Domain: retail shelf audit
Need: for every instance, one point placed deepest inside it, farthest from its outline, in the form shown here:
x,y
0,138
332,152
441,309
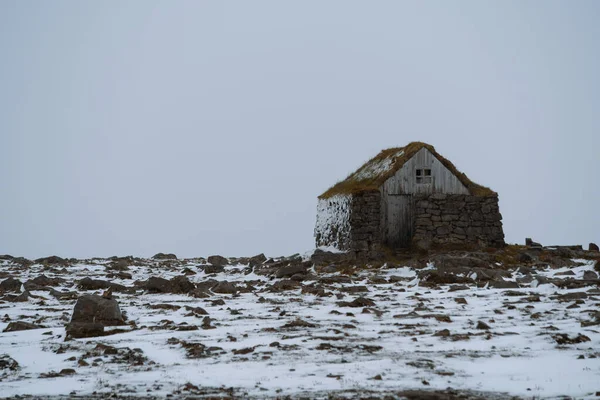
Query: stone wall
x,y
365,222
333,222
450,219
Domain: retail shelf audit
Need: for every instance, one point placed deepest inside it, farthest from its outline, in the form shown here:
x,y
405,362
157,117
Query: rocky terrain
x,y
521,322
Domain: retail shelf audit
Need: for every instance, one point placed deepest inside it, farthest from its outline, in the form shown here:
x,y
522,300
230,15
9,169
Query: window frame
x,y
423,176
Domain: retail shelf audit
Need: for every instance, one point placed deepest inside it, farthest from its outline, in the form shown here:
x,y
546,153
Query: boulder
x,y
320,257
502,284
22,261
590,275
52,260
60,295
593,247
526,257
290,270
530,243
6,362
213,269
285,284
358,302
91,308
257,260
20,326
21,298
225,288
163,256
155,284
218,261
96,284
10,285
482,325
181,284
442,278
43,280
118,265
446,261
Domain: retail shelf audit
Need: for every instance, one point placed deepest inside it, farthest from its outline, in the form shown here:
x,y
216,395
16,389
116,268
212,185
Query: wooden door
x,y
400,224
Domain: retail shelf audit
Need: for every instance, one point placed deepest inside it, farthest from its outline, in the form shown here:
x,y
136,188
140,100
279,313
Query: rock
x,y
10,285
531,243
225,288
97,309
482,325
96,284
178,284
163,256
299,323
593,247
218,261
460,300
563,338
358,302
320,257
181,284
502,284
156,284
442,333
52,260
213,269
290,270
257,260
43,280
188,272
207,323
565,273
119,265
120,275
199,293
590,275
6,362
163,306
572,296
285,284
354,289
444,261
63,295
85,329
20,326
196,311
456,288
23,297
442,278
526,257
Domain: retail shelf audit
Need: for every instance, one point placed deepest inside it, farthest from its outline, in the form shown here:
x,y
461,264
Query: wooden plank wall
x,y
444,181
396,208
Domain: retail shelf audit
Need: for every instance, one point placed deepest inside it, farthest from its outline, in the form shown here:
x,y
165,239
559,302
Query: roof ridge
x,y
372,174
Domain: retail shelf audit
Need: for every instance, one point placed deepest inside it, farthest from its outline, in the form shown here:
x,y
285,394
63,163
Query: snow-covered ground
x,y
409,337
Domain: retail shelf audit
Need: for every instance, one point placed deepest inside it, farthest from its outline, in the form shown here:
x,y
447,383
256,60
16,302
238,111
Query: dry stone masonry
x,y
443,219
365,221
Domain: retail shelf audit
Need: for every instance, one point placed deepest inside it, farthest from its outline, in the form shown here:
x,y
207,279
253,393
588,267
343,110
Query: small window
x,y
423,175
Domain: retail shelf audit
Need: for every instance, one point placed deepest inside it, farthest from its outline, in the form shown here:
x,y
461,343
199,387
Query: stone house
x,y
408,197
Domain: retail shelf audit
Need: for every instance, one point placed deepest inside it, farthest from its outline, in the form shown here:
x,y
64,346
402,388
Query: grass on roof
x,y
354,184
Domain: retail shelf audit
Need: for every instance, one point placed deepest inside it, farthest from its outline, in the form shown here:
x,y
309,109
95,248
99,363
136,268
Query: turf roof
x,y
385,164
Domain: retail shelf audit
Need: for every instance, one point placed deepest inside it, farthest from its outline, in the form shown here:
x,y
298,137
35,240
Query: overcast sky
x,y
200,127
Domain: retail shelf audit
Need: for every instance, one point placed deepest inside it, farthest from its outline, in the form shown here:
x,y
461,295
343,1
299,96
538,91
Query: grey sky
x,y
211,127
